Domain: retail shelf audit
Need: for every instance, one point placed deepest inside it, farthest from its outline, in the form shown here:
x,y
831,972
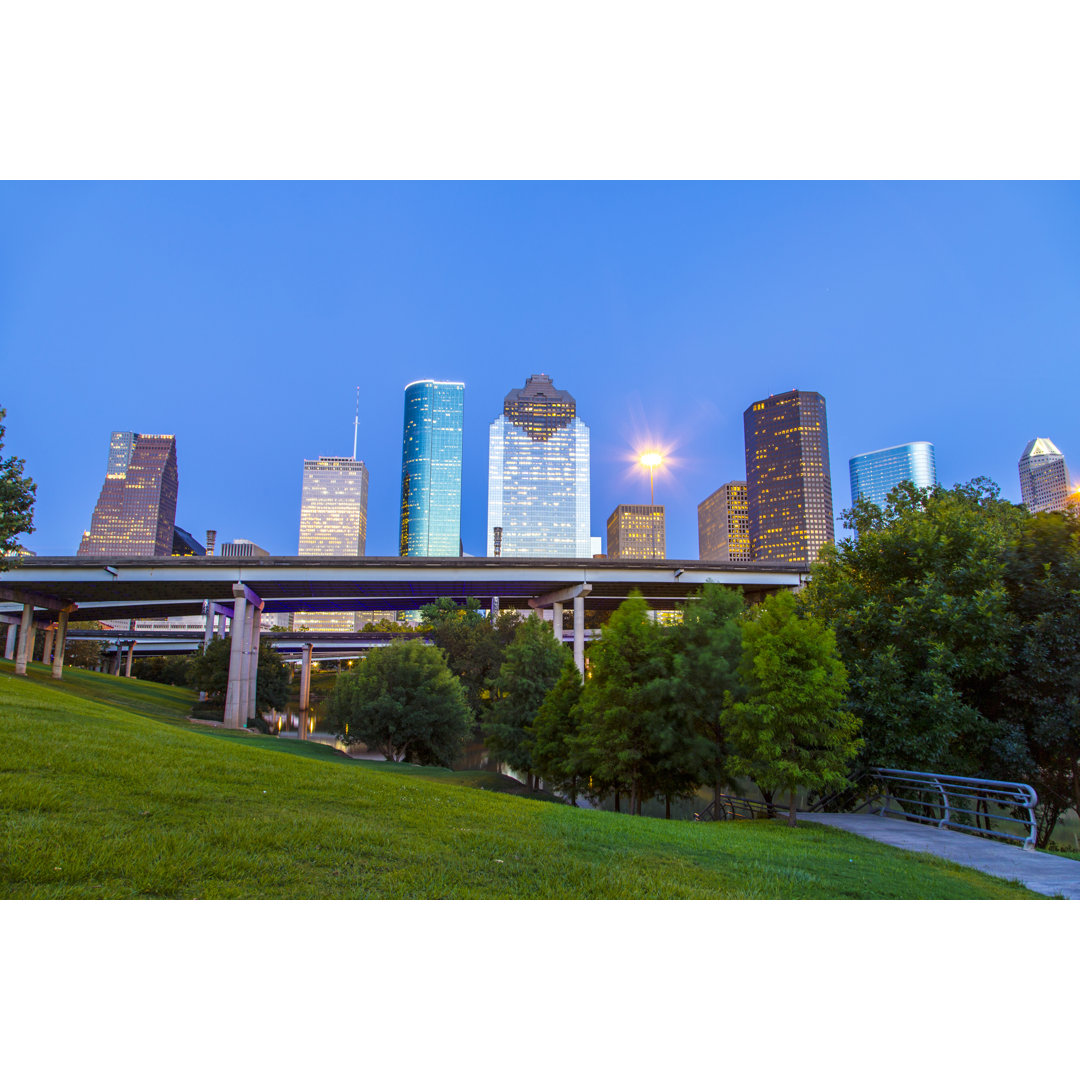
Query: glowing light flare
x,y
651,459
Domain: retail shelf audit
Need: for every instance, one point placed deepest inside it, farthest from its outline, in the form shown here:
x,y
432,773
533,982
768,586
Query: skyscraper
x,y
1044,480
538,475
724,524
636,532
431,468
788,482
875,474
333,521
136,510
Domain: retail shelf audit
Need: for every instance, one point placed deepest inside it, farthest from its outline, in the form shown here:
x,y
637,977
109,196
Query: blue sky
x,y
241,317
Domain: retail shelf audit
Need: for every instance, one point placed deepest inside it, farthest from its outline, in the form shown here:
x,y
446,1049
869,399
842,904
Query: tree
x,y
622,730
555,754
531,668
922,618
404,702
16,502
704,681
208,670
473,645
791,730
1041,691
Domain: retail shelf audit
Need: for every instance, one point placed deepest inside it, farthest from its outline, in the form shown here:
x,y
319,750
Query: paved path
x,y
1050,875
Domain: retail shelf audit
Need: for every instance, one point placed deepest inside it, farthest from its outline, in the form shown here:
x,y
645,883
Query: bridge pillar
x,y
253,666
557,622
26,639
59,645
9,645
115,668
579,633
236,663
46,652
305,689
130,654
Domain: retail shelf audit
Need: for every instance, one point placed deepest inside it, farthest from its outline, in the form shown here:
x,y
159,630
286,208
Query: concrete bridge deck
x,y
1050,875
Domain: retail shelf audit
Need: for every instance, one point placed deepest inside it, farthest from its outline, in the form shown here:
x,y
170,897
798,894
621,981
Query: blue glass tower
x,y
875,474
431,468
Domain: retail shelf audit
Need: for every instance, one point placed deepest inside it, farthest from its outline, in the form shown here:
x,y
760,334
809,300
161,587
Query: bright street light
x,y
652,460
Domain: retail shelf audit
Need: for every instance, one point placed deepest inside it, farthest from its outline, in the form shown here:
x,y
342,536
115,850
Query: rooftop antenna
x,y
356,423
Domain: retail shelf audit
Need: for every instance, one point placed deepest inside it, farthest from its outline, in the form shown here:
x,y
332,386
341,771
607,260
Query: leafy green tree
x,y
704,681
473,645
403,702
16,502
623,730
924,625
533,661
208,670
1041,691
791,731
556,756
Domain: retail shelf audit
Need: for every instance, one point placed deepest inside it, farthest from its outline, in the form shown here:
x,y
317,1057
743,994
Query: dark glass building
x,y
724,525
788,482
136,510
431,469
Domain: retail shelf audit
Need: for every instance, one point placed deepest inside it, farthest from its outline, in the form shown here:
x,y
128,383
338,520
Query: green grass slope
x,y
105,792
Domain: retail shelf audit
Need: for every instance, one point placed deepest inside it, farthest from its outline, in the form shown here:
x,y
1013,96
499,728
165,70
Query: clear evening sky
x,y
241,316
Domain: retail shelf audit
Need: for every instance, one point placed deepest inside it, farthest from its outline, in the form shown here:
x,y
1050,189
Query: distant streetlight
x,y
652,460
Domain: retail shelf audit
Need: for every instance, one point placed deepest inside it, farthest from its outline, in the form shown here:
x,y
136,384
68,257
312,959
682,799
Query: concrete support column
x,y
26,639
59,645
130,654
556,621
253,668
233,718
115,668
46,652
305,689
9,646
208,627
579,633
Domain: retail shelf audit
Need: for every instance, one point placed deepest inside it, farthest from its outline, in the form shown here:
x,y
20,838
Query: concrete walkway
x,y
1050,875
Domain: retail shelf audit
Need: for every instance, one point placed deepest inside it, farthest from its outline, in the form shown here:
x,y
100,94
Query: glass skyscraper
x,y
538,475
875,474
136,510
431,468
788,480
1044,479
333,521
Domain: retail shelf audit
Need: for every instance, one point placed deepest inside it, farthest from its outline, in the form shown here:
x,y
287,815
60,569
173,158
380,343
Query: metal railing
x,y
993,808
736,808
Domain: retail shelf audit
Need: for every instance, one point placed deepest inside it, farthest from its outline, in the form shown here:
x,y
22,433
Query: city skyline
x,y
667,308
874,474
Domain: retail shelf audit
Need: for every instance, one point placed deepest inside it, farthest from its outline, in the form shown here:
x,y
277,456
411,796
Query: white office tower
x,y
1044,480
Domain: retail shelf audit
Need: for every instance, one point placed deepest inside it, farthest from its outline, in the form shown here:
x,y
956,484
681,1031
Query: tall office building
x,y
538,475
136,510
1044,480
875,474
636,532
431,468
724,524
788,482
333,521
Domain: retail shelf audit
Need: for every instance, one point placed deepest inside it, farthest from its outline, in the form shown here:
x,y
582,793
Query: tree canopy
x,y
17,494
533,661
791,730
403,702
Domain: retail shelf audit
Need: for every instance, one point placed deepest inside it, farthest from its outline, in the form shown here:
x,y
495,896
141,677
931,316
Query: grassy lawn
x,y
106,792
